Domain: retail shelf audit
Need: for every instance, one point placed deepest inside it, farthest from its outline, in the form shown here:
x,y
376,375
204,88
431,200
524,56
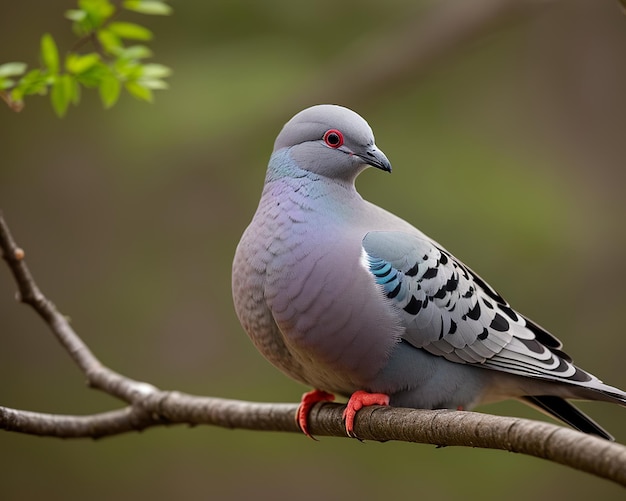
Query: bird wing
x,y
449,311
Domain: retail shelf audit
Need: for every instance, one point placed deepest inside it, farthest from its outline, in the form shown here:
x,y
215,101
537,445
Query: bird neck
x,y
282,167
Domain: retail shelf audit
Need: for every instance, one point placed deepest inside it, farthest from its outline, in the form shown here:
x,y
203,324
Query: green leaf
x,y
97,12
139,91
12,69
76,92
109,90
83,25
128,69
62,94
81,29
110,42
136,52
75,15
6,83
77,64
50,53
154,83
155,71
130,31
17,95
153,7
94,75
34,82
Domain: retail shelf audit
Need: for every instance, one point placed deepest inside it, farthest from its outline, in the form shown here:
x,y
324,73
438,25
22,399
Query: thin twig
x,y
16,106
98,376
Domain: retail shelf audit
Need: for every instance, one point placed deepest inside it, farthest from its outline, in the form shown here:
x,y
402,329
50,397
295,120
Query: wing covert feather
x,y
451,312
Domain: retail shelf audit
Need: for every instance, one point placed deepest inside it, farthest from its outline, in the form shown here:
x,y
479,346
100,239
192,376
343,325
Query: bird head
x,y
331,141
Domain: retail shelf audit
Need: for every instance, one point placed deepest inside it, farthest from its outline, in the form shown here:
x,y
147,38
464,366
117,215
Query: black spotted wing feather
x,y
451,312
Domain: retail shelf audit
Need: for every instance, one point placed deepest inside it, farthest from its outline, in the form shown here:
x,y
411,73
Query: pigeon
x,y
349,299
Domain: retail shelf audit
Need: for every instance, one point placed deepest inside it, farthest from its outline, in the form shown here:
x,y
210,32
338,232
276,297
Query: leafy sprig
x,y
116,60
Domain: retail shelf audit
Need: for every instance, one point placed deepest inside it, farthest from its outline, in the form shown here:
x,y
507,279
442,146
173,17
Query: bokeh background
x,y
506,125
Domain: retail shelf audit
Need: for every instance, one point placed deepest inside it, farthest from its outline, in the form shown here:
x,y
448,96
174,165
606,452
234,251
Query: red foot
x,y
358,400
309,399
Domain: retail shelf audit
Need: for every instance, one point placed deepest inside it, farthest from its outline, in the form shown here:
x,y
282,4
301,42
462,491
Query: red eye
x,y
333,138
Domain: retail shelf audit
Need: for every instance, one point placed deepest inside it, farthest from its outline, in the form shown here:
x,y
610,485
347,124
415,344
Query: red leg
x,y
358,400
309,399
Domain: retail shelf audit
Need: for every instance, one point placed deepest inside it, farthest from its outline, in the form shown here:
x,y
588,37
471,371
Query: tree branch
x,y
150,406
439,427
98,376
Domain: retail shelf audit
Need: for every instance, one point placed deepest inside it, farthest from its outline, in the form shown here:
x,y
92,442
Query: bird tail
x,y
561,409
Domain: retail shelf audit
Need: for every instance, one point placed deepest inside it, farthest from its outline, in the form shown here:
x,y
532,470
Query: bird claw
x,y
309,399
358,400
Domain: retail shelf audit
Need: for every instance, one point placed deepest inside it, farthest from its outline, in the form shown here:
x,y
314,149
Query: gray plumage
x,y
343,296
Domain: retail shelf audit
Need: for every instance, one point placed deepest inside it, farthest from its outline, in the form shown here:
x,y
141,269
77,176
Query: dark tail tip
x,y
566,412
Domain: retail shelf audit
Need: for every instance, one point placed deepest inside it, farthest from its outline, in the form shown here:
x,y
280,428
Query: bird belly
x,y
415,378
332,316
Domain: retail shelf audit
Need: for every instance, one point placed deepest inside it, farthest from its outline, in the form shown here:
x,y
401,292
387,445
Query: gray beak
x,y
376,158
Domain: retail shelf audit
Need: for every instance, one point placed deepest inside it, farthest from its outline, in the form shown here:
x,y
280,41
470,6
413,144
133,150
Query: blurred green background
x,y
508,148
